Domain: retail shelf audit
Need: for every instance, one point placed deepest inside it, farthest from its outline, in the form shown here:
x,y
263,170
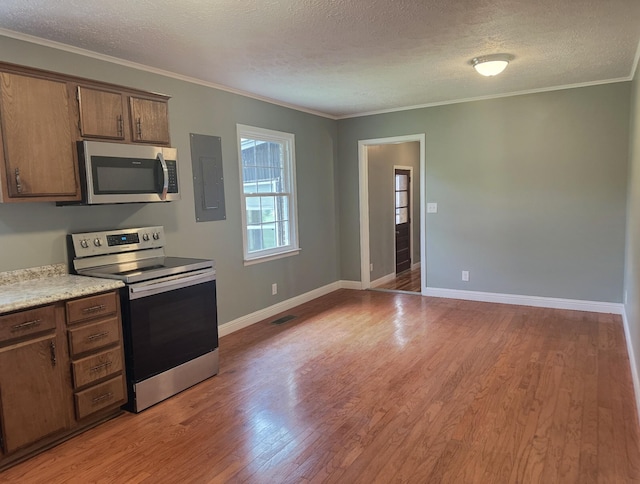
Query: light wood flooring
x,y
375,387
405,281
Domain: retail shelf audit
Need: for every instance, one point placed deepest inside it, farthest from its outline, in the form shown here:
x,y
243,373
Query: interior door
x,y
403,220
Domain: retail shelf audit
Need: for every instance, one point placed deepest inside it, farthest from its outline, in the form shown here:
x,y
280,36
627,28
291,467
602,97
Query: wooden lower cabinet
x,y
33,396
97,358
59,373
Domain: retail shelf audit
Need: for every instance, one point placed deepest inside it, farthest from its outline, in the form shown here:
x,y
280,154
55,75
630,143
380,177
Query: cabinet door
x,y
39,148
149,120
101,113
31,392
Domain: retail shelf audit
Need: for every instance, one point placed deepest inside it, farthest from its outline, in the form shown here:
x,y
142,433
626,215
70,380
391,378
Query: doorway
x,y
402,215
370,217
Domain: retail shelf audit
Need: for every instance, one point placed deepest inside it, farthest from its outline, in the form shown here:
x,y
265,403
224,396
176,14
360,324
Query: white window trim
x,y
252,132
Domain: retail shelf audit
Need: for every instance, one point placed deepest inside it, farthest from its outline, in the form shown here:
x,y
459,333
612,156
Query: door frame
x,y
363,169
411,213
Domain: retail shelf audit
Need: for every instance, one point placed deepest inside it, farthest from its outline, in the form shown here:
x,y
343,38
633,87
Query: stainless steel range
x,y
169,311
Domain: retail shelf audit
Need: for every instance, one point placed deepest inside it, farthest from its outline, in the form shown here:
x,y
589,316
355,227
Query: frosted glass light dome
x,y
491,65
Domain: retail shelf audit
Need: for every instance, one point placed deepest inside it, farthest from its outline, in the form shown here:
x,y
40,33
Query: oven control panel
x,y
115,241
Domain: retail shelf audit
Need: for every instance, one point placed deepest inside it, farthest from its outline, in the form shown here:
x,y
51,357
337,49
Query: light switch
x,y
432,207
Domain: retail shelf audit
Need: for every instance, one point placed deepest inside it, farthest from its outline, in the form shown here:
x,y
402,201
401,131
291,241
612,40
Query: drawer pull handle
x,y
18,182
93,309
100,398
97,336
99,367
26,325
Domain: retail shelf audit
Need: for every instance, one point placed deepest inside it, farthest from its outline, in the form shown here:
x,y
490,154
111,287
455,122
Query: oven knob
x,y
84,243
97,242
156,235
145,237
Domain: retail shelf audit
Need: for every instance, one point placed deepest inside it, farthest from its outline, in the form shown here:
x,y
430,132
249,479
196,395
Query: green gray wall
x,y
531,191
632,266
34,234
382,159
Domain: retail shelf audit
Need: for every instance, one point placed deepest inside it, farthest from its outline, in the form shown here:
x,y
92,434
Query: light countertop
x,y
36,286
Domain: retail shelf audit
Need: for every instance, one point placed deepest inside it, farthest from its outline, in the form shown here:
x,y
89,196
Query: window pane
x,y
282,208
401,182
249,176
267,207
283,234
401,199
265,186
402,216
254,238
248,151
269,236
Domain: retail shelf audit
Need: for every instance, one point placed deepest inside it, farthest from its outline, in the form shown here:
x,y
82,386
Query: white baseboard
x,y
544,302
357,285
632,360
383,280
249,319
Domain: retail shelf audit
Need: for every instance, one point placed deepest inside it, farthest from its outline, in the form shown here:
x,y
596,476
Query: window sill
x,y
267,258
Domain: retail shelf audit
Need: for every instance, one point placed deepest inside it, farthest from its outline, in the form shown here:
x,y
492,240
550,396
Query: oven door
x,y
168,322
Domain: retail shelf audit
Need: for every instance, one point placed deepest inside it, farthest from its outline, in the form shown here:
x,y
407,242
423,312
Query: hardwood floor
x,y
374,387
405,281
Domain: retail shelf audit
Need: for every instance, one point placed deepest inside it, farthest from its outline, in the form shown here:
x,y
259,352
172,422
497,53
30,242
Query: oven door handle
x,y
137,291
165,177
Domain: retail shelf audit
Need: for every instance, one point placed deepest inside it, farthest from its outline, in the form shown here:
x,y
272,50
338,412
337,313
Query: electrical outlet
x,y
465,276
274,289
371,267
432,207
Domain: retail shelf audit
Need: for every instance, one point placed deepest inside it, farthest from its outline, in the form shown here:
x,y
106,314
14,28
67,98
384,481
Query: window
x,y
267,175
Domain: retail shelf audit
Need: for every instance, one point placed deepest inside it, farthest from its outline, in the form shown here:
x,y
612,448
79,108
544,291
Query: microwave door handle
x,y
165,174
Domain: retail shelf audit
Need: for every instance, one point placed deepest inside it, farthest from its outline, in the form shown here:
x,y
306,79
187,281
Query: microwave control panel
x,y
172,170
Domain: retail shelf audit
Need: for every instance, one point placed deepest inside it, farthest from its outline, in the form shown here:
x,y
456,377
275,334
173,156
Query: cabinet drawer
x,y
96,367
94,336
91,307
25,323
100,396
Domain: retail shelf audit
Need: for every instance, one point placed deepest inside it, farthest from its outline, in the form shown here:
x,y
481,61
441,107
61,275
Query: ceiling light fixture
x,y
491,65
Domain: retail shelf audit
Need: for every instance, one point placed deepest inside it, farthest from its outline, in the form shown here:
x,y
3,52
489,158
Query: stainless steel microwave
x,y
126,173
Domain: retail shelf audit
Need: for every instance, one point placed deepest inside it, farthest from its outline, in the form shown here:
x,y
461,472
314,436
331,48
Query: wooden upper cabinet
x,y
41,123
149,120
101,113
37,138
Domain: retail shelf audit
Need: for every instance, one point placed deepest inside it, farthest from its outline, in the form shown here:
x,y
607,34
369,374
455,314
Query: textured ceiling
x,y
345,57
